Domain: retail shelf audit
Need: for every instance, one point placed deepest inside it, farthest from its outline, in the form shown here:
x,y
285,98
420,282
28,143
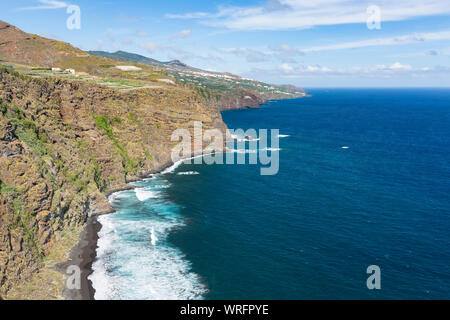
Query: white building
x,y
128,68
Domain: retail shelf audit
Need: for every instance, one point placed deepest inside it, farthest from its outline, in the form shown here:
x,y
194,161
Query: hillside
x,y
66,141
226,90
41,57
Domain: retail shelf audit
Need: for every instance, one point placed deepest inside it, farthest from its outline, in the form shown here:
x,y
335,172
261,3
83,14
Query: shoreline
x,y
84,253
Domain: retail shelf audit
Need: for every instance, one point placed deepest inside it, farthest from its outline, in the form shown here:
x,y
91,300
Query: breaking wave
x,y
134,259
188,173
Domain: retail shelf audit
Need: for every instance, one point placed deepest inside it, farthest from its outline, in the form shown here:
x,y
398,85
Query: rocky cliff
x,y
63,145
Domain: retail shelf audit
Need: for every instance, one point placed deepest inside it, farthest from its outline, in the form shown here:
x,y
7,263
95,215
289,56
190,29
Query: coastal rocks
x,y
241,99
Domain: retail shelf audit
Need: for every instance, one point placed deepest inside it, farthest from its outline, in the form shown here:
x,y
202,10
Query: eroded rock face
x,y
64,144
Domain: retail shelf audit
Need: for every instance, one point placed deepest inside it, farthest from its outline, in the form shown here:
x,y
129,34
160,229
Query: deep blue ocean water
x,y
309,232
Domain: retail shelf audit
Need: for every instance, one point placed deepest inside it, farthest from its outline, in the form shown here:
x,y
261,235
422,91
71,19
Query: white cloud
x,y
393,70
46,4
399,66
300,14
141,34
111,36
390,41
286,68
192,15
149,46
123,18
127,41
250,55
100,44
181,35
317,68
281,53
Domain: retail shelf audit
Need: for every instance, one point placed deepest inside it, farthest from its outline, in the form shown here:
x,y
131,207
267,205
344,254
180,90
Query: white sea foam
x,y
141,270
272,149
173,167
100,279
188,173
161,186
345,147
241,139
249,139
252,150
153,237
115,197
144,194
242,150
134,259
176,164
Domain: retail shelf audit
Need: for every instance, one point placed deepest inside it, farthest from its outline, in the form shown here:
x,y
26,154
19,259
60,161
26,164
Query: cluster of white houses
x,y
71,71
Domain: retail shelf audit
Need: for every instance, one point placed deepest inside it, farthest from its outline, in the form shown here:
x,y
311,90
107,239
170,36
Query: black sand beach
x,y
83,255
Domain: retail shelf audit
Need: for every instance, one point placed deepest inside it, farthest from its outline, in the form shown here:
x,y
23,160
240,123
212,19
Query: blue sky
x,y
321,43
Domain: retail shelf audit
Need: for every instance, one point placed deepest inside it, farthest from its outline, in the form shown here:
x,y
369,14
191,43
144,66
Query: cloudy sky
x,y
320,43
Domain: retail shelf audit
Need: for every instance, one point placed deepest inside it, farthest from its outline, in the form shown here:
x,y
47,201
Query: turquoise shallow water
x,y
309,232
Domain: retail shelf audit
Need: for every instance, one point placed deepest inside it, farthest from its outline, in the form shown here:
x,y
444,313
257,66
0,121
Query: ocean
x,y
364,179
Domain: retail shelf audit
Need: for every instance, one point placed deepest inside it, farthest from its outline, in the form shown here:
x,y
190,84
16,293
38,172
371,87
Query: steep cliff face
x,y
241,99
63,145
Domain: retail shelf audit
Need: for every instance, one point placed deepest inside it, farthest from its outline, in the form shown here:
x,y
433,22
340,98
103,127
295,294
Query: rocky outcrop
x,y
63,146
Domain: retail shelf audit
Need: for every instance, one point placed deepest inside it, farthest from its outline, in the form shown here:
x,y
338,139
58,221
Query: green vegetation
x,y
82,144
22,219
41,69
6,189
132,118
76,180
147,154
105,123
95,168
10,70
203,92
3,108
28,132
101,184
